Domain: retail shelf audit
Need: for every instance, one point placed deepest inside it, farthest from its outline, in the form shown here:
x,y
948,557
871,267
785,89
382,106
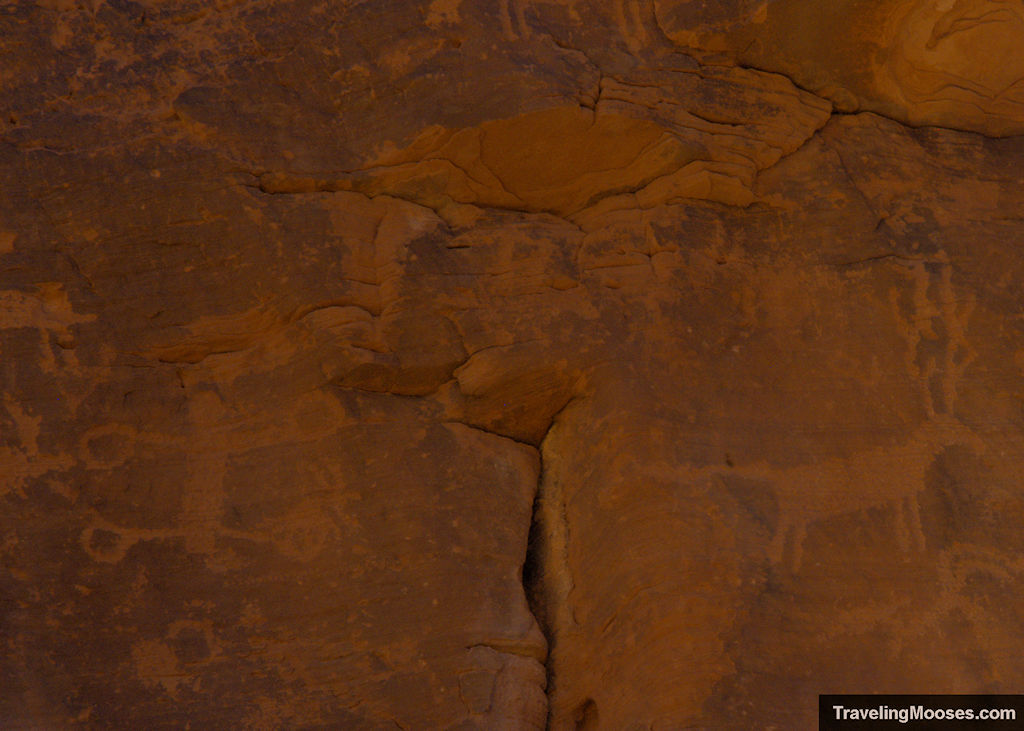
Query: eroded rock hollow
x,y
633,364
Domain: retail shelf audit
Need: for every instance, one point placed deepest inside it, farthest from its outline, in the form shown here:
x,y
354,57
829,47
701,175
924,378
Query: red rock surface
x,y
536,363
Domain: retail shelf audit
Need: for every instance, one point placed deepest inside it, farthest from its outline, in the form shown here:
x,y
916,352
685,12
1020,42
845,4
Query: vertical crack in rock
x,y
534,573
547,578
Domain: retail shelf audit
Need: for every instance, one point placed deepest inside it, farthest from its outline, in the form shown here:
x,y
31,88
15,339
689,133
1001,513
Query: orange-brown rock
x,y
947,63
516,365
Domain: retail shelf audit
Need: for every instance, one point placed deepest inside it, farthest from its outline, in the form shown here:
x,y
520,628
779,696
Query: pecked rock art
x,y
534,364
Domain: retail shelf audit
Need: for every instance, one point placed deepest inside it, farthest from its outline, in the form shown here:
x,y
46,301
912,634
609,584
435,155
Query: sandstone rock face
x,y
948,63
516,365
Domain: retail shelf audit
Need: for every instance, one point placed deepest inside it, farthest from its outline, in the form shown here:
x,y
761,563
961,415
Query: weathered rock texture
x,y
456,364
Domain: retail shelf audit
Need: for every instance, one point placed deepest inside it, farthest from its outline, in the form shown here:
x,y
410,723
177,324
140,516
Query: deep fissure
x,y
545,575
533,577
